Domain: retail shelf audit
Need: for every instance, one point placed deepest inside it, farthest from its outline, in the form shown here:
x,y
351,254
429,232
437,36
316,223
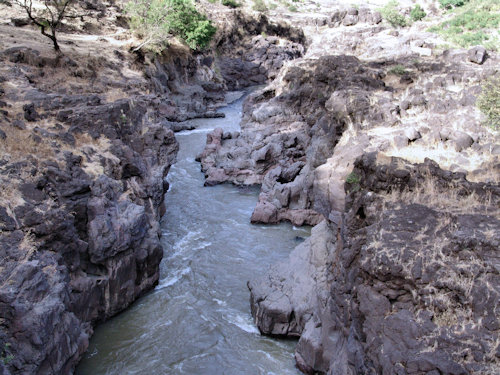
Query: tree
x,y
47,17
155,20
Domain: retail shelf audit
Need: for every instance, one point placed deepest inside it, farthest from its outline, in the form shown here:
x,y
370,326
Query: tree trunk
x,y
52,36
54,41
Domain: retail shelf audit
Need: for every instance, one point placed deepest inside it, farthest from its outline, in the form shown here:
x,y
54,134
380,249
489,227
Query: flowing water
x,y
197,320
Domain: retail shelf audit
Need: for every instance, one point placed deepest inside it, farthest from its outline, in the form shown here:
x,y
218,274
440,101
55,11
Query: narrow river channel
x,y
197,320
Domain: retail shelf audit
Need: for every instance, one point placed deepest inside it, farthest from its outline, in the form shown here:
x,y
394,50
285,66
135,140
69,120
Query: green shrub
x,y
231,3
467,39
476,22
391,14
259,6
489,102
417,13
293,8
353,178
448,4
5,355
399,70
155,20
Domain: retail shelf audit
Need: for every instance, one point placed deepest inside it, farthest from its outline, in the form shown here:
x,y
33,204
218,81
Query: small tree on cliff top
x,y
47,15
155,20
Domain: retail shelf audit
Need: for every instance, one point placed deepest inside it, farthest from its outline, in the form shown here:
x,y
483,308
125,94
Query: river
x,y
197,320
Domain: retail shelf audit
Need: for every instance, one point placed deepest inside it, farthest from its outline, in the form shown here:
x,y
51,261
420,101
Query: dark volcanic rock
x,y
260,60
30,113
78,248
286,136
80,209
477,54
405,281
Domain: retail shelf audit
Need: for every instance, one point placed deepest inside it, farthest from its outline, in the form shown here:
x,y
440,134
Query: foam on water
x,y
169,281
195,131
186,241
219,302
244,323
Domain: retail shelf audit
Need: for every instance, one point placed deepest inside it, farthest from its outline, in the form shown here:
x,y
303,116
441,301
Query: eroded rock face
x,y
284,301
78,248
290,129
408,280
82,194
301,134
258,60
254,49
86,143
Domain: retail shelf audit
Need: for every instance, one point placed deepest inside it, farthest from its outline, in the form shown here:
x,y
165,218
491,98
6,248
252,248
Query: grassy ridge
x,y
475,22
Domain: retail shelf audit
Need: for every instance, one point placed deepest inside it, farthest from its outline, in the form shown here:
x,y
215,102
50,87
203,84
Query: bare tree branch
x,y
48,17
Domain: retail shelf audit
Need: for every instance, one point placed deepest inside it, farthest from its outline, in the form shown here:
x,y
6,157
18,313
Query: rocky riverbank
x,y
371,134
404,281
375,135
86,142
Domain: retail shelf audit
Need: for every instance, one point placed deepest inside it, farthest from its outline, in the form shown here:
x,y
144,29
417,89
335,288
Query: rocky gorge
x,y
379,149
87,141
369,134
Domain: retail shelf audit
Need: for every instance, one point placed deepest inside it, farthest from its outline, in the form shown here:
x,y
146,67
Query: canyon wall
x,y
86,142
374,137
370,134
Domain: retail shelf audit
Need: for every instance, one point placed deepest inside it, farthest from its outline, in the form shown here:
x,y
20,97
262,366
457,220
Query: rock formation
x,y
82,193
86,142
404,281
374,134
369,133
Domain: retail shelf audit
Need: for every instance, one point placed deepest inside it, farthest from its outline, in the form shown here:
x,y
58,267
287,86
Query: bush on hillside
x,y
391,14
489,102
399,70
476,22
417,13
155,20
448,4
260,6
231,3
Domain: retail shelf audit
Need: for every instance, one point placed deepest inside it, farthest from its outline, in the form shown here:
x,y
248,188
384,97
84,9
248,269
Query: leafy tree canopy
x,y
155,20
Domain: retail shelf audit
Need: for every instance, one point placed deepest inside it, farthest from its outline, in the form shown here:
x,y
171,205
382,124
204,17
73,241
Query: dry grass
x,y
430,193
10,196
446,157
448,296
493,367
116,94
491,233
458,276
91,150
20,144
28,244
451,316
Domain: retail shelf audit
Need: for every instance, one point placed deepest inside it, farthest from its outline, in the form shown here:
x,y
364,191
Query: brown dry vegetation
x,y
21,145
448,198
457,270
449,299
